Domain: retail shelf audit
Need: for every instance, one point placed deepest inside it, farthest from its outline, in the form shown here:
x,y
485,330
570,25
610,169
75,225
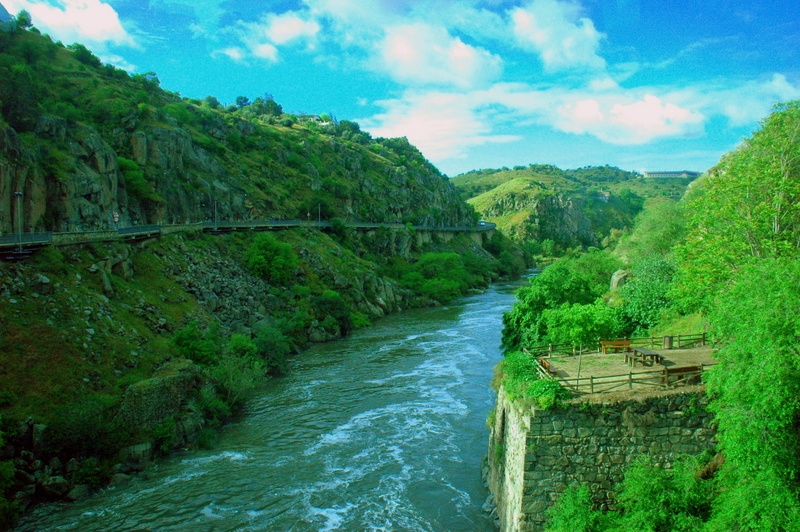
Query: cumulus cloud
x,y
91,22
262,39
555,30
442,125
424,54
281,29
636,122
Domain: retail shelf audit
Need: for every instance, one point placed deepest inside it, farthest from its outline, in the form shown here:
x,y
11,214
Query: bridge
x,y
22,245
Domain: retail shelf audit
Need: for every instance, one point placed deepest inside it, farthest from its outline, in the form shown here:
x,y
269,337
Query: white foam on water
x,y
334,517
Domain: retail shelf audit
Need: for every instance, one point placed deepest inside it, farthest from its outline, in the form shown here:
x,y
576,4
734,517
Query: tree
x,y
646,295
24,20
242,101
755,388
746,209
211,102
271,259
84,55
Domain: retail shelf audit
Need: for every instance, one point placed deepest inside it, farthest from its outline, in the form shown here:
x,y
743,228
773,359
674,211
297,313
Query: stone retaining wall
x,y
535,455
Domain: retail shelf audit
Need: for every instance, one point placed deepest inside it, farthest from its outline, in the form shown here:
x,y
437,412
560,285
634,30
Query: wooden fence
x,y
681,341
662,378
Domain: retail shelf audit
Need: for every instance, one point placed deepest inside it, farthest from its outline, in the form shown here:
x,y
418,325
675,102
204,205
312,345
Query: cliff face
x,y
540,216
71,180
82,141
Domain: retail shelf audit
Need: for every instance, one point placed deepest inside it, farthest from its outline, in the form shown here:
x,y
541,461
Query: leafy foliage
x,y
570,280
271,259
521,381
747,209
756,386
646,295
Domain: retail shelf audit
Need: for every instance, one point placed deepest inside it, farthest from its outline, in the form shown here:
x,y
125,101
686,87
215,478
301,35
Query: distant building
x,y
673,175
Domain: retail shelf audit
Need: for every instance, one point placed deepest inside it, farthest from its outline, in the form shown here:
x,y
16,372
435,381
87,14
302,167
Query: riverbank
x,y
95,325
384,428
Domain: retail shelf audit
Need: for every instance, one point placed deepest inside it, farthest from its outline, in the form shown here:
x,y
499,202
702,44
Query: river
x,y
384,430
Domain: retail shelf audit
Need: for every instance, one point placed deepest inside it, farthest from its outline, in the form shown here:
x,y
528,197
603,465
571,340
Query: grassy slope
x,y
485,190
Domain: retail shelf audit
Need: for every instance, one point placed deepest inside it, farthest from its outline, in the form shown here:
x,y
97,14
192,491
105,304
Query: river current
x,y
384,430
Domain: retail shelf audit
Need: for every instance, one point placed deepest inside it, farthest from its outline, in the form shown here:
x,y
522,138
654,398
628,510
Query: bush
x,y
573,513
202,346
271,259
238,376
521,381
273,347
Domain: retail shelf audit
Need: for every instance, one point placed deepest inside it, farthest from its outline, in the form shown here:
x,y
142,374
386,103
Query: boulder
x,y
55,487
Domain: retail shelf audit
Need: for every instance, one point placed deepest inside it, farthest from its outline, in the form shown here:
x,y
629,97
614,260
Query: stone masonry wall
x,y
535,455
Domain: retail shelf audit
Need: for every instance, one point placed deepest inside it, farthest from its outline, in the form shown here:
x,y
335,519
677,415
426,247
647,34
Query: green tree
x,y
646,295
580,324
271,259
756,386
238,376
24,20
273,347
569,280
202,346
657,229
746,209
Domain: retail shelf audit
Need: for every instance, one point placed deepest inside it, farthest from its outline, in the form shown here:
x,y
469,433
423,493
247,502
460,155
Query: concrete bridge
x,y
22,245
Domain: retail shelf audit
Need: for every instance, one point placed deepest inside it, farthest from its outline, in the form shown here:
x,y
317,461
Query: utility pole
x,y
18,195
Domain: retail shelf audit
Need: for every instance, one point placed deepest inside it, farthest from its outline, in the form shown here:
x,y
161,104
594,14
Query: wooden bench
x,y
682,375
622,344
548,367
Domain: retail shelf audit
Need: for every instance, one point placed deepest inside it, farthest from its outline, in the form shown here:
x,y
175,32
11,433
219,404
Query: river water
x,y
384,430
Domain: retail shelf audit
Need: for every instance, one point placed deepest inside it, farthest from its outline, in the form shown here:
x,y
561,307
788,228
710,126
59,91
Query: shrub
x,y
273,347
238,376
202,346
271,259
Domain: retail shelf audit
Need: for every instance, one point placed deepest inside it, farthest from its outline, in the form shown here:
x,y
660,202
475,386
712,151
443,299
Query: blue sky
x,y
639,84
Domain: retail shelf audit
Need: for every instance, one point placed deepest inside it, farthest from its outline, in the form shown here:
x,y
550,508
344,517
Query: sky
x,y
638,84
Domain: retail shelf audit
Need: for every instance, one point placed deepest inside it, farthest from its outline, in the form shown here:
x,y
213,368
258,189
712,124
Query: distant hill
x,y
578,207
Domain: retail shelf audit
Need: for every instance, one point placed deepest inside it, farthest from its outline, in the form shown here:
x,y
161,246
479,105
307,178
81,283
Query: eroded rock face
x,y
555,217
148,403
72,180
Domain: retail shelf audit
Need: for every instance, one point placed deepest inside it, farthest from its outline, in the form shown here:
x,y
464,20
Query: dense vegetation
x,y
725,257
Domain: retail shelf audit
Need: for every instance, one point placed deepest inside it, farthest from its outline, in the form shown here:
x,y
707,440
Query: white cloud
x,y
555,30
233,53
262,39
90,22
424,54
442,125
281,29
751,101
626,123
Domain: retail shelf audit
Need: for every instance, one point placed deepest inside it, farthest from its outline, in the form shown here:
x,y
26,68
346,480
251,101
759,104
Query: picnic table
x,y
643,355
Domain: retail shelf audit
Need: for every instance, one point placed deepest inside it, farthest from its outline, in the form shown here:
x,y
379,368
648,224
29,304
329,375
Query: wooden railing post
x,y
591,383
630,380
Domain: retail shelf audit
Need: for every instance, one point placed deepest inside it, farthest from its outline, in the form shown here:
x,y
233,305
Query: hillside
x,y
572,208
82,141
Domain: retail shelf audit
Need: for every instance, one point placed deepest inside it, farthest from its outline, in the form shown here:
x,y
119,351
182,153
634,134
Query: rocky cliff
x,y
84,142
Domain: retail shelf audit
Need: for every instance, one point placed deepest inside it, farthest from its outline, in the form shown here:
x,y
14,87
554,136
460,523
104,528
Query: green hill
x,y
84,140
580,207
